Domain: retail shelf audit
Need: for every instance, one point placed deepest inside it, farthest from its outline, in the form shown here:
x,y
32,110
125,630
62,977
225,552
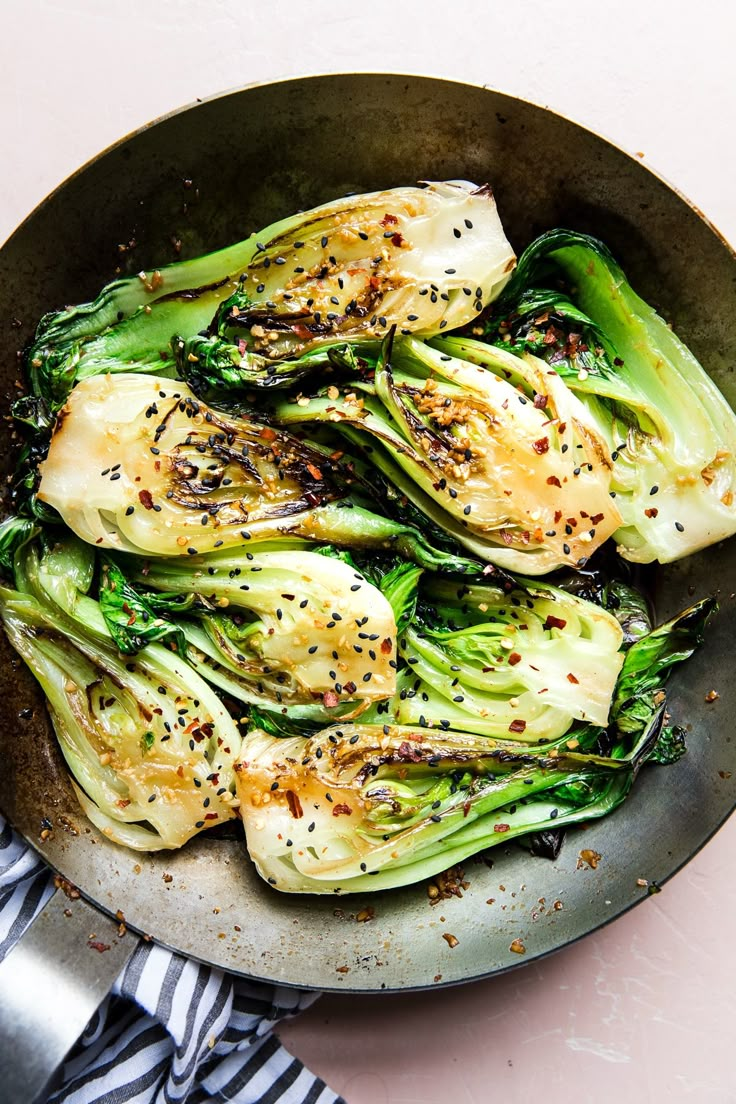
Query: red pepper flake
x,y
342,810
553,622
540,401
541,446
386,646
558,515
330,699
146,499
571,678
295,805
350,687
596,519
314,472
450,940
501,827
96,945
651,512
389,220
268,434
211,816
517,726
506,536
562,427
397,240
514,658
553,481
406,751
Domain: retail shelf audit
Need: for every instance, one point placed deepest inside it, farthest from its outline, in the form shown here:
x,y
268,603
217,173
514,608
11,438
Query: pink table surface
x,y
642,1011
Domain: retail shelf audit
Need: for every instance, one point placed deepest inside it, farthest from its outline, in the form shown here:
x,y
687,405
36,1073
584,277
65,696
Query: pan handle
x,y
51,984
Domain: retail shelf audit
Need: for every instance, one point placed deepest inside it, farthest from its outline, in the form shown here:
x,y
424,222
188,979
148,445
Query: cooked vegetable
x,y
296,626
671,433
361,807
299,497
492,447
148,743
649,661
138,464
521,663
349,268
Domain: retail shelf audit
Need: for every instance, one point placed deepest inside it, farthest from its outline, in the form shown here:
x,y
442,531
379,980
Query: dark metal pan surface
x,y
208,176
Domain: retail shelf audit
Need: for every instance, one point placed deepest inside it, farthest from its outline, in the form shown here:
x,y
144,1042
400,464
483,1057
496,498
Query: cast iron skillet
x,y
207,176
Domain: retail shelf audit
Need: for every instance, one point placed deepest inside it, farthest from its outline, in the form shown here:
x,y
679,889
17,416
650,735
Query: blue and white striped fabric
x,y
171,1031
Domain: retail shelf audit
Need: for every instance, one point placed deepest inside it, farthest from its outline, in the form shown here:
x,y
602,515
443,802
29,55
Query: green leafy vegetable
x,y
669,430
132,621
343,270
147,742
490,447
360,807
139,464
295,627
648,663
522,662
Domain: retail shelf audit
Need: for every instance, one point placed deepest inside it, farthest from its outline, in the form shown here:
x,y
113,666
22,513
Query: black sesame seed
x,y
679,527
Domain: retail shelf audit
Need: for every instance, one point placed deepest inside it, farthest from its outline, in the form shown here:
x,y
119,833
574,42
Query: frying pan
x,y
200,179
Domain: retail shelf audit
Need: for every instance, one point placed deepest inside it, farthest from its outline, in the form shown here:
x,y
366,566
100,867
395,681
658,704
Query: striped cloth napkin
x,y
171,1031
